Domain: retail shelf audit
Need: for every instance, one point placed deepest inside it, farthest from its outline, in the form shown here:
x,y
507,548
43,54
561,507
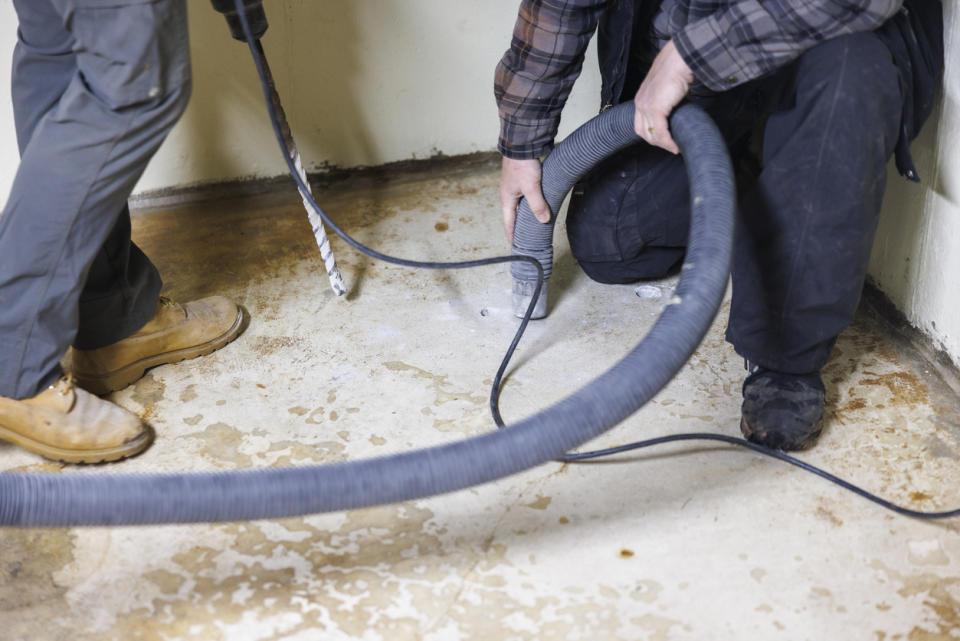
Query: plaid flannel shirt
x,y
725,43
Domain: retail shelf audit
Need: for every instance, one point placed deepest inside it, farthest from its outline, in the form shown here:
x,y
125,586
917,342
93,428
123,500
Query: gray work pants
x,y
97,85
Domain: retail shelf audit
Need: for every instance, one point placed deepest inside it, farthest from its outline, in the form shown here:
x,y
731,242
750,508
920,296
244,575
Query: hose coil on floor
x,y
94,498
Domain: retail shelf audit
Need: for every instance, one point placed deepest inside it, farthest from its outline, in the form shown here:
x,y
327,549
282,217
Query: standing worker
x,y
96,88
834,87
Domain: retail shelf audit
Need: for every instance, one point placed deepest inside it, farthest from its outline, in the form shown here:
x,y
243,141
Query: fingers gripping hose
x,y
102,499
585,148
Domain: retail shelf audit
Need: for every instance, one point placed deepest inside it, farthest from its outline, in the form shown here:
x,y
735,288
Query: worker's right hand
x,y
521,179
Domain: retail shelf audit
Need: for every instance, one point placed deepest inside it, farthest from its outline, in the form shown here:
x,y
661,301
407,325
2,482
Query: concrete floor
x,y
684,542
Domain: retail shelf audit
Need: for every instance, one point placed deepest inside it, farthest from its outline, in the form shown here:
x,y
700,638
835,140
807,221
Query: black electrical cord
x,y
256,50
766,451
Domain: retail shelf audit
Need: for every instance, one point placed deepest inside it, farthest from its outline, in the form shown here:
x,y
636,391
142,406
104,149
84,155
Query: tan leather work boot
x,y
175,333
67,424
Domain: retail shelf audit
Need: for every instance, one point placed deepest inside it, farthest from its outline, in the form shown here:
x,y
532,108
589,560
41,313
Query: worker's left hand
x,y
665,85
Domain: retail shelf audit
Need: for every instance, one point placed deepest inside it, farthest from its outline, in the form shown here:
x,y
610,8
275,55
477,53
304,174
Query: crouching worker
x,y
831,88
96,88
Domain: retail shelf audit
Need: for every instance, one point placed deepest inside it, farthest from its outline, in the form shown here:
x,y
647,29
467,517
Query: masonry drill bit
x,y
326,251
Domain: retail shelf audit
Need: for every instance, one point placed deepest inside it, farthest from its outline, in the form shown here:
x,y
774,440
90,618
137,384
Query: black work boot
x,y
782,411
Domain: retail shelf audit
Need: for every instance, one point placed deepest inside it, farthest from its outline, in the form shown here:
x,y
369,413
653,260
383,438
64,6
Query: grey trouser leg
x,y
95,90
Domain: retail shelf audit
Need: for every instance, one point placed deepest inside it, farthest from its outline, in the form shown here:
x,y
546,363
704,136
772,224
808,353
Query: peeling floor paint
x,y
686,542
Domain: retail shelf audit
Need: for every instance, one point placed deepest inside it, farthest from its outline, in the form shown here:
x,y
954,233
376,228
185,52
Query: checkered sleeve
x,y
749,38
535,76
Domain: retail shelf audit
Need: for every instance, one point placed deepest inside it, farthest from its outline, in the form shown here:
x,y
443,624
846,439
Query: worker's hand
x,y
665,85
521,179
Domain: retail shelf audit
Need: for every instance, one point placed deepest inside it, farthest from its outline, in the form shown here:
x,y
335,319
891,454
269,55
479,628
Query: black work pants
x,y
806,221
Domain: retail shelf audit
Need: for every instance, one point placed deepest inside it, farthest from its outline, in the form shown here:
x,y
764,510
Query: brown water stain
x,y
466,425
30,597
221,443
445,393
204,254
439,383
830,517
937,595
148,391
938,448
905,387
342,582
295,451
264,577
854,405
266,345
225,246
316,416
42,466
168,582
608,592
540,504
926,552
659,628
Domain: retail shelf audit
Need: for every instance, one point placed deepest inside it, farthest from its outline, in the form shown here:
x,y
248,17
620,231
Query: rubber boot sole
x,y
131,448
778,441
101,384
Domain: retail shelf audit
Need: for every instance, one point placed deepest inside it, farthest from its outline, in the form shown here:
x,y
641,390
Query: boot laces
x,y
65,384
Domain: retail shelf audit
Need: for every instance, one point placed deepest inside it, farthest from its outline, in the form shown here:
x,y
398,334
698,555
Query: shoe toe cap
x,y
783,413
217,315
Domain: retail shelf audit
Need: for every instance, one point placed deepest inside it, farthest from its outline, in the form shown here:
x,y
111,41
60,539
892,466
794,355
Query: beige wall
x,y
364,83
367,82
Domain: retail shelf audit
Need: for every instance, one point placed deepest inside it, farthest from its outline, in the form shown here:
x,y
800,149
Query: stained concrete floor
x,y
692,541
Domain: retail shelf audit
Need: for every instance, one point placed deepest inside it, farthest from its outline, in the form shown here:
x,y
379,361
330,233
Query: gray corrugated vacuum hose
x,y
570,161
96,498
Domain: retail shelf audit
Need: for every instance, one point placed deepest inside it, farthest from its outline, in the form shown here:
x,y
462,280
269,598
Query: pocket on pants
x,y
593,218
132,52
